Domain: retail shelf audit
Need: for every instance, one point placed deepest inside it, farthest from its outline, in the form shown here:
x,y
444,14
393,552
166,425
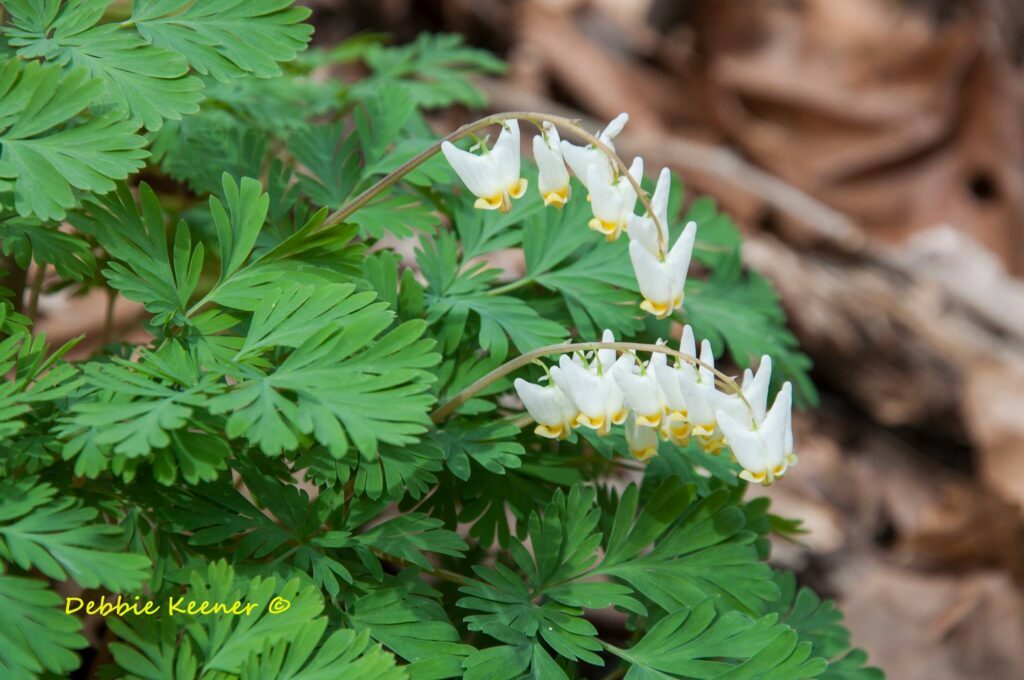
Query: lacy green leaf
x,y
226,38
47,152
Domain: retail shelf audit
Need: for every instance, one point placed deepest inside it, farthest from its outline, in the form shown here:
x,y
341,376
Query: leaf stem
x,y
509,287
443,574
566,124
442,412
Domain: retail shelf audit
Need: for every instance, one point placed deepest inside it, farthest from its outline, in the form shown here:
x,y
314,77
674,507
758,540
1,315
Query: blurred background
x,y
873,152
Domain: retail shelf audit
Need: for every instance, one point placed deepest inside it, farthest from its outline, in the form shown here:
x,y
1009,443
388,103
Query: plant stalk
x,y
566,124
442,412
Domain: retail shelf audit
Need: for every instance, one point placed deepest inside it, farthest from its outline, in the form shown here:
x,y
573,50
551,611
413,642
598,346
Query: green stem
x,y
566,124
443,574
508,287
442,412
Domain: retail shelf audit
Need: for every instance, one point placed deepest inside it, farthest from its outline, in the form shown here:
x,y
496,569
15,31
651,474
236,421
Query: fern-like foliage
x,y
269,432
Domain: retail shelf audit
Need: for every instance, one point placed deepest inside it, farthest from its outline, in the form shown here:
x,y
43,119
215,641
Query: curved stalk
x,y
446,409
567,124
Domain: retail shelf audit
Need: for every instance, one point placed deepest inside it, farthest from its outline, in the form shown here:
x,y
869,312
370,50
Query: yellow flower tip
x,y
620,417
649,421
779,470
705,430
610,230
558,197
551,431
791,459
597,423
659,310
644,455
492,203
518,189
756,477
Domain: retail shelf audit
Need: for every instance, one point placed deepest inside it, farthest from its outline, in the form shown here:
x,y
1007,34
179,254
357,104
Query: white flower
x,y
492,177
676,427
642,393
662,281
612,201
553,178
701,396
642,441
755,391
592,388
644,229
764,451
581,158
548,405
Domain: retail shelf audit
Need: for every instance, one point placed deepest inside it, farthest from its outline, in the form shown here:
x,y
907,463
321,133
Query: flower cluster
x,y
678,402
493,177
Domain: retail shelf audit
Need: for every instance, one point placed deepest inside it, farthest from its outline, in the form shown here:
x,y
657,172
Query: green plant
x,y
319,420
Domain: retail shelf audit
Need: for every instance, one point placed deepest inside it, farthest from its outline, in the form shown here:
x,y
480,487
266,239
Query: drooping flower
x,y
642,392
493,176
676,428
662,280
581,158
592,387
701,396
552,178
764,451
554,413
645,229
641,440
613,200
755,392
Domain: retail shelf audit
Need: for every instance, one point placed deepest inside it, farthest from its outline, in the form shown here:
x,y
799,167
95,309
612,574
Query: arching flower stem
x,y
442,412
566,124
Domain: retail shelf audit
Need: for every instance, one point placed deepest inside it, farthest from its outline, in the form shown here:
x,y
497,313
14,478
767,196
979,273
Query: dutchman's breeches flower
x,y
493,177
755,391
641,440
554,413
582,158
552,176
593,388
701,396
643,395
765,451
612,200
662,281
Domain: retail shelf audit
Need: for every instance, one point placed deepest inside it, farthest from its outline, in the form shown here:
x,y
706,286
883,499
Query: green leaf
x,y
408,619
741,311
260,645
141,264
695,643
226,38
28,239
700,549
565,543
343,381
343,654
434,69
38,378
62,539
46,158
489,445
820,623
151,83
35,634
